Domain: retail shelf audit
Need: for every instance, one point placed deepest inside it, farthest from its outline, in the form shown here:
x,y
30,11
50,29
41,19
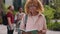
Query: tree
x,y
49,13
1,8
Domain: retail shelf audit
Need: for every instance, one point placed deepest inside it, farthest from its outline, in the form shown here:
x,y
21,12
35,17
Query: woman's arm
x,y
44,25
9,22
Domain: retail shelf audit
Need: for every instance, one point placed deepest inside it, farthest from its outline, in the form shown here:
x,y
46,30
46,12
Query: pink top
x,y
37,22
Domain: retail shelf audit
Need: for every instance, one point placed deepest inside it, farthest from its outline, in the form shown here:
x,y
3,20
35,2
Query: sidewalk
x,y
53,32
3,30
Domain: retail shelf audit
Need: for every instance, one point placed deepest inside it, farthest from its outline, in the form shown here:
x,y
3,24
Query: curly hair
x,y
36,3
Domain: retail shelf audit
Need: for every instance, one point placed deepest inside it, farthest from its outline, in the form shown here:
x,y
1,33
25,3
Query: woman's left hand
x,y
43,31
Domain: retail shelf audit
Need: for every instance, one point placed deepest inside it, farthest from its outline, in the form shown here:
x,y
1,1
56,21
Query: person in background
x,y
10,18
36,22
18,17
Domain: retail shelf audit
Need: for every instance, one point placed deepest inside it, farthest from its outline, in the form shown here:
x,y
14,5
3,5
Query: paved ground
x,y
3,30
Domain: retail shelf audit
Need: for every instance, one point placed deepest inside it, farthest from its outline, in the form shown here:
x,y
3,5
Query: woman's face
x,y
20,10
12,8
32,8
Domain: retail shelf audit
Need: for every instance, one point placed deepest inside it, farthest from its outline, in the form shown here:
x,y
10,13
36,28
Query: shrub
x,y
49,13
54,26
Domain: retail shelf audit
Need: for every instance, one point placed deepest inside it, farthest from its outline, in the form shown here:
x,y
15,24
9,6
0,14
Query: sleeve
x,y
44,24
8,14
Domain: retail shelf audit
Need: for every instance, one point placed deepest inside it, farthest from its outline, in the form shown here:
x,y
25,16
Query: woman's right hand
x,y
11,27
20,18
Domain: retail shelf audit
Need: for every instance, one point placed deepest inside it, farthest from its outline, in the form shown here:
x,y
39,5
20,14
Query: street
x,y
3,30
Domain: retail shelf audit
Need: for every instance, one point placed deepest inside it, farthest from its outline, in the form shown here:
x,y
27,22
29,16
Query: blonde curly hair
x,y
36,3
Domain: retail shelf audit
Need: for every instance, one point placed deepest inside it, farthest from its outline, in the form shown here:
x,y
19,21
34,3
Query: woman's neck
x,y
20,12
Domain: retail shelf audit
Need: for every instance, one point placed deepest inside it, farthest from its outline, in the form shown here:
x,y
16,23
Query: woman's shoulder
x,y
42,15
8,12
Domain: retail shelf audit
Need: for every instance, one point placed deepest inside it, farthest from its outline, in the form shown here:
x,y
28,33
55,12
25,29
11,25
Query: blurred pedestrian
x,y
36,22
10,18
18,17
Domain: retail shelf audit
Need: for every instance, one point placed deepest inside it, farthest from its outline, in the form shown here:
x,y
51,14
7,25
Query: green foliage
x,y
5,8
57,15
15,12
49,26
49,13
54,26
57,7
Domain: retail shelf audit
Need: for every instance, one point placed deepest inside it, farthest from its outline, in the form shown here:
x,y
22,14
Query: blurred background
x,y
52,11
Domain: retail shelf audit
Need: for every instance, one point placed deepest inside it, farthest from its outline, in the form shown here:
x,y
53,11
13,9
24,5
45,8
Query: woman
x,y
18,17
36,21
10,18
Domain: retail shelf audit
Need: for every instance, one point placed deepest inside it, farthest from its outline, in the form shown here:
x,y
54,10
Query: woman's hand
x,y
9,22
44,31
20,18
11,27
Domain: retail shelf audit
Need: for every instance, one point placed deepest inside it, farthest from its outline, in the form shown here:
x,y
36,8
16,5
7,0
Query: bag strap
x,y
26,17
25,21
